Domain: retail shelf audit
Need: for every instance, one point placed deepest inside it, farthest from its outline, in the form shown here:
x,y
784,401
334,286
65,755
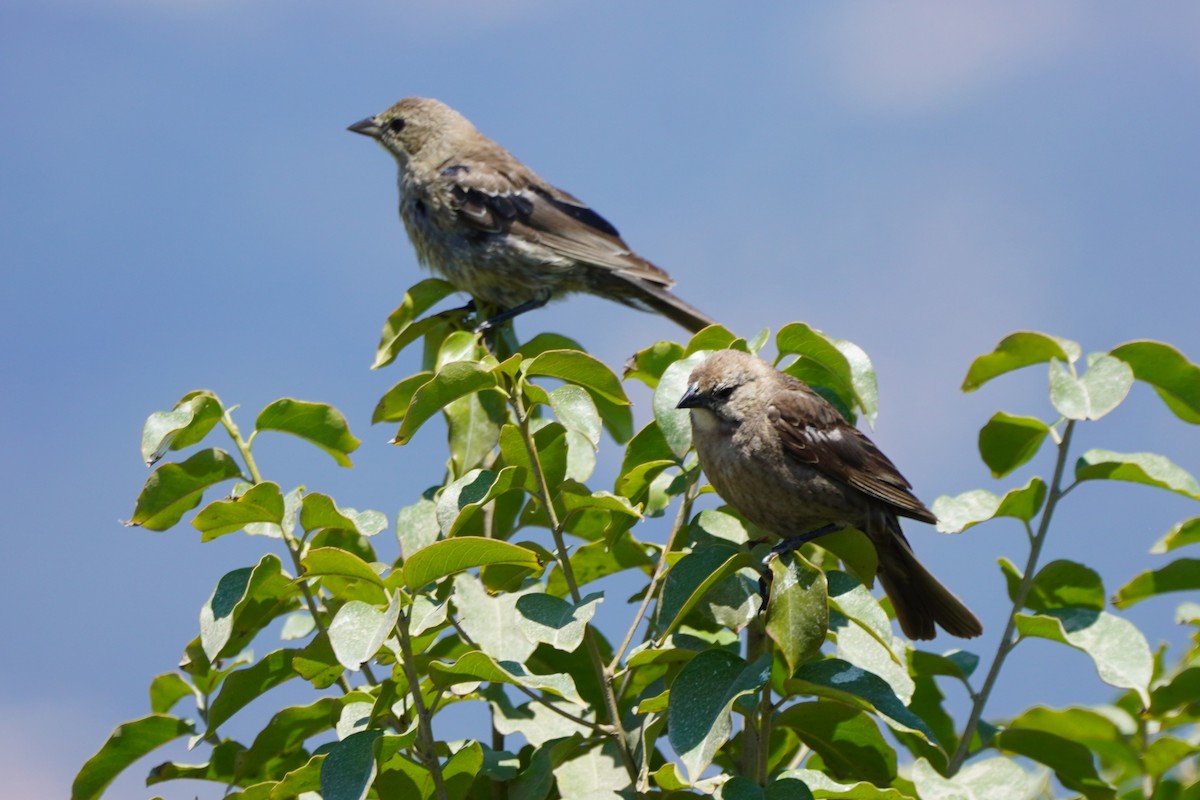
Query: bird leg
x,y
509,313
794,543
782,548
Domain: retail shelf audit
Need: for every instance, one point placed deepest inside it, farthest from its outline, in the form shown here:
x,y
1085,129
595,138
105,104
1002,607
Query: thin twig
x,y
681,518
290,543
426,748
603,674
1007,640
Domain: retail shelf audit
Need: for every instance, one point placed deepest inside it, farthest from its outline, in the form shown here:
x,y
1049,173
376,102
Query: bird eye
x,y
396,125
722,392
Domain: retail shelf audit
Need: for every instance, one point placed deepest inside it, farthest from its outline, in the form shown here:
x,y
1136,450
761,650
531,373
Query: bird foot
x,y
782,548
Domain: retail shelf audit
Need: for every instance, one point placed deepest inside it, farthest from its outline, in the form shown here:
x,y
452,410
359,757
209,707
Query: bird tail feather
x,y
919,599
648,296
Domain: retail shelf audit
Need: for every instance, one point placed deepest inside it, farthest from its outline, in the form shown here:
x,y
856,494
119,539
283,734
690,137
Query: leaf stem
x,y
1008,641
243,446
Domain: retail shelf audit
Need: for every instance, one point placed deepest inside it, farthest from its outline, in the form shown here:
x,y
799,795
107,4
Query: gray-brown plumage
x,y
485,222
786,459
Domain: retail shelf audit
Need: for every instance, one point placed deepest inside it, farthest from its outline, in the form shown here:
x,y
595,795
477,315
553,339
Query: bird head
x,y
417,125
718,385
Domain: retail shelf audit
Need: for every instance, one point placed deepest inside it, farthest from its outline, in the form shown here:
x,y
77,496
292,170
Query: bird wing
x,y
815,434
493,200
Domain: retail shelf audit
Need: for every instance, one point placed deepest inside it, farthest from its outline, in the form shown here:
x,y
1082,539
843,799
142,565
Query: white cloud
x,y
917,56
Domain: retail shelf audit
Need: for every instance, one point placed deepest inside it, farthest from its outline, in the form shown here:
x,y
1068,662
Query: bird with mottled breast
x,y
490,226
785,458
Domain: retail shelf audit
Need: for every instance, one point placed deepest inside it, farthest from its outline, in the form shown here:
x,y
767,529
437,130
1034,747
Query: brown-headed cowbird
x,y
785,458
485,222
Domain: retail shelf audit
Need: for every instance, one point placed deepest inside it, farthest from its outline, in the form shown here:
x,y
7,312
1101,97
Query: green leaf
x,y
1072,763
646,455
398,330
245,685
417,525
537,780
840,680
1117,648
350,767
1017,350
824,787
849,597
1180,575
318,423
1099,391
715,337
820,364
596,773
451,556
958,513
1176,379
691,578
847,740
168,689
989,779
579,368
394,404
1066,584
837,365
126,744
319,512
454,380
1006,442
546,619
617,418
190,421
463,498
1148,468
474,426
478,666
537,723
675,423
317,663
491,622
218,768
261,503
174,489
1168,752
286,733
245,600
576,411
296,783
1083,727
359,629
798,609
647,365
544,342
1185,533
461,770
1181,691
702,695
320,561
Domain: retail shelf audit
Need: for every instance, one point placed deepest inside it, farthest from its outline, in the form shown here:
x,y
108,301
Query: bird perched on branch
x,y
484,221
786,459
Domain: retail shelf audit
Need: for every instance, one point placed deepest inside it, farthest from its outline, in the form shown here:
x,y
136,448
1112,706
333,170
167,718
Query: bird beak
x,y
367,127
691,398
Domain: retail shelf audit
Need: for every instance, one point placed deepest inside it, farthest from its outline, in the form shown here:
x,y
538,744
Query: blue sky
x,y
181,207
